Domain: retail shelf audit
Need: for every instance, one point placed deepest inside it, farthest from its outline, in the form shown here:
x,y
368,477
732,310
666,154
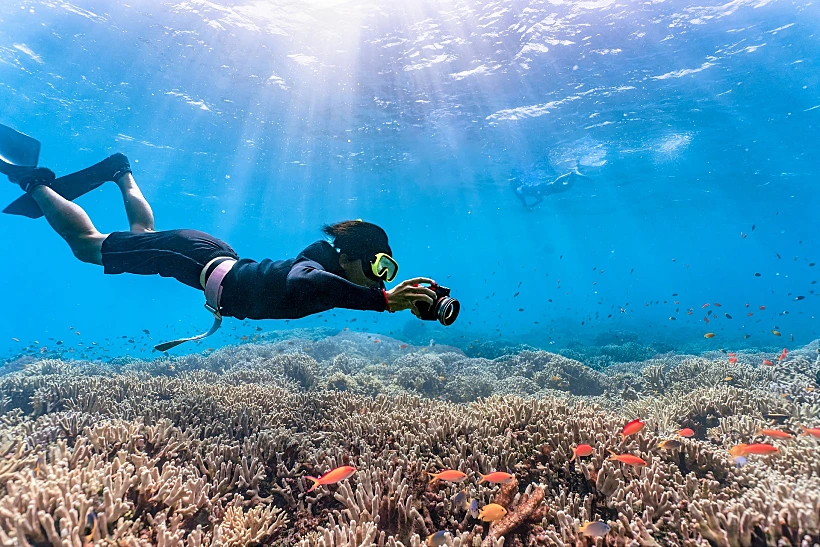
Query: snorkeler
x,y
350,273
540,190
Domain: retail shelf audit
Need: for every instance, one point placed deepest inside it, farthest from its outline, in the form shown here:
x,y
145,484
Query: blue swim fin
x,y
17,148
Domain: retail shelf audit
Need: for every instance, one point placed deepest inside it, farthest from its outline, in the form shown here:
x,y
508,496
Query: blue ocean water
x,y
259,121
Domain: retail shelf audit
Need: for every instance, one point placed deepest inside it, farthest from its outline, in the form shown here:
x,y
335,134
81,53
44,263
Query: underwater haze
x,y
622,195
257,122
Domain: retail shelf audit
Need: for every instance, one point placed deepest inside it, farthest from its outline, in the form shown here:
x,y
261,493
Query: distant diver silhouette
x,y
348,272
538,191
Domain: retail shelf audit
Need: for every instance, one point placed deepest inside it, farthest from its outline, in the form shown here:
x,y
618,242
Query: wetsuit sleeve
x,y
313,284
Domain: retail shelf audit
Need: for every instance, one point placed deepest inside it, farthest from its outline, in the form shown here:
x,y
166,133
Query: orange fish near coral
x,y
628,459
686,432
498,477
596,529
631,428
450,475
733,360
491,512
783,355
813,431
669,444
333,476
757,448
580,451
775,433
761,449
768,363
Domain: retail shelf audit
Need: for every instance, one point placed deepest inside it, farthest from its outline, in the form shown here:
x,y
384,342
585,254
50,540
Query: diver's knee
x,y
88,248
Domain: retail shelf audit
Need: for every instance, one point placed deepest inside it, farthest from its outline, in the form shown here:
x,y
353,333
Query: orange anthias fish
x,y
581,450
813,431
631,428
491,512
628,459
333,476
451,475
498,477
775,433
768,363
705,306
686,432
783,355
733,360
757,448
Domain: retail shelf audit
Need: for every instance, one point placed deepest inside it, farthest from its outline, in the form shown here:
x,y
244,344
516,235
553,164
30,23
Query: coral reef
x,y
214,449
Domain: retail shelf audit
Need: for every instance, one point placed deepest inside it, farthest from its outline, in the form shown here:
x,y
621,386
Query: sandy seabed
x,y
214,449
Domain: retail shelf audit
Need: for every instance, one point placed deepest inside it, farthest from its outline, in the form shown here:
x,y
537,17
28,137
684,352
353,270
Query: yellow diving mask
x,y
384,267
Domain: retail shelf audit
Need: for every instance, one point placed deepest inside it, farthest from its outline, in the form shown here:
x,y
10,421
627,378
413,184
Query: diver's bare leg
x,y
140,215
71,222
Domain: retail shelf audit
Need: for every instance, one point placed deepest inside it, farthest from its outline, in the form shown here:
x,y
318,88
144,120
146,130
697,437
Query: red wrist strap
x,y
386,301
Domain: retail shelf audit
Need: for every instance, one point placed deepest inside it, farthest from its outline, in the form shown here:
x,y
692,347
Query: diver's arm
x,y
308,282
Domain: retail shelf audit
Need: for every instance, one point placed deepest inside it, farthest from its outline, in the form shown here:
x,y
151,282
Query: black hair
x,y
358,239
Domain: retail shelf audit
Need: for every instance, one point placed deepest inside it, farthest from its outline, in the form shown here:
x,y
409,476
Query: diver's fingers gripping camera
x,y
444,309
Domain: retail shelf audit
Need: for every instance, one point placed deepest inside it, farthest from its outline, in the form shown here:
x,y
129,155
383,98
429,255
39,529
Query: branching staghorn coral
x,y
218,454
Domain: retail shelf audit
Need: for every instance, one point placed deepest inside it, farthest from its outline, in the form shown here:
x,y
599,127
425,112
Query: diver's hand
x,y
405,295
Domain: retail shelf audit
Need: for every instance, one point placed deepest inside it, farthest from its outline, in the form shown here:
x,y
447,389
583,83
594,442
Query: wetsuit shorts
x,y
180,254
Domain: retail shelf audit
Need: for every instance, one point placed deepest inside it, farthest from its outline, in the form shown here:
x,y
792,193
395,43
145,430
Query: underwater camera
x,y
444,309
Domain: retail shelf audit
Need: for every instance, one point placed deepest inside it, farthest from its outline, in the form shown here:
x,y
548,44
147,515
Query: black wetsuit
x,y
312,282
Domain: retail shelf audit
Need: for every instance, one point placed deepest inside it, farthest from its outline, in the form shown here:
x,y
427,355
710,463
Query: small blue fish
x,y
740,461
461,500
437,539
92,525
474,508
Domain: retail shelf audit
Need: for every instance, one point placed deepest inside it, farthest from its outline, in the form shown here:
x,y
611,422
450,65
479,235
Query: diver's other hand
x,y
405,295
